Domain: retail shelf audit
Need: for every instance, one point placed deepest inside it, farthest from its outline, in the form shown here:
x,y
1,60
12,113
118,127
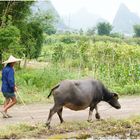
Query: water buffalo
x,y
80,94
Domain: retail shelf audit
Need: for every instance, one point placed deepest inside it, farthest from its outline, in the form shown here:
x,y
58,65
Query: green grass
x,y
126,128
34,85
114,61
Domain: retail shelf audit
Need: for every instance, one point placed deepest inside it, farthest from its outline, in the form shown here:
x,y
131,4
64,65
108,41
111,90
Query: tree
x,y
30,28
104,28
137,30
32,33
81,32
47,21
91,31
12,14
18,10
32,39
9,41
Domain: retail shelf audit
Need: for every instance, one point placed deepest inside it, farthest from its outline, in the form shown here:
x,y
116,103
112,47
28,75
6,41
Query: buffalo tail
x,y
53,89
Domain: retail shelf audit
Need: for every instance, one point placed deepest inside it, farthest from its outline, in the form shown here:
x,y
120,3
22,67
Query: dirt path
x,y
130,107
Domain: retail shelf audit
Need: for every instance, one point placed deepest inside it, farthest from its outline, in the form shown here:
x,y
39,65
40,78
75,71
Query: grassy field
x,y
35,84
123,129
114,61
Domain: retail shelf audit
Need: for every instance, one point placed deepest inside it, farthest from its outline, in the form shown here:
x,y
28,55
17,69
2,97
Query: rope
x,y
27,109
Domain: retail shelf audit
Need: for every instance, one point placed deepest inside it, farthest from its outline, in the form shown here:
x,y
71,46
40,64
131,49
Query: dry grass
x,y
128,128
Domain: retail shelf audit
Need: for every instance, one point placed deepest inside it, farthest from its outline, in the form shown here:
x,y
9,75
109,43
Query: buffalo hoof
x,y
97,116
47,125
62,122
90,121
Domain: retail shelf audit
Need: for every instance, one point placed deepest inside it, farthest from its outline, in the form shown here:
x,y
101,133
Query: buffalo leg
x,y
97,115
90,113
59,112
52,112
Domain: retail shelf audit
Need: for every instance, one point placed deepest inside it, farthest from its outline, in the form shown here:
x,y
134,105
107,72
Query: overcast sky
x,y
104,8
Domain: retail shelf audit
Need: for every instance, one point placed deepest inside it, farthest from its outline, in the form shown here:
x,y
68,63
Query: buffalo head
x,y
113,101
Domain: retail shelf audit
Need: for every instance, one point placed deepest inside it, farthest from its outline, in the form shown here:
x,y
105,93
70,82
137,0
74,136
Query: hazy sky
x,y
104,8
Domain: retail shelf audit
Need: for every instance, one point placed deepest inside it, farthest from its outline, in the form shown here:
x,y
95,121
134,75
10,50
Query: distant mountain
x,y
45,6
82,19
124,20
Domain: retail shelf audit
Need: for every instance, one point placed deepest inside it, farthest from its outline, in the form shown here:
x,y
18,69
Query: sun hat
x,y
11,59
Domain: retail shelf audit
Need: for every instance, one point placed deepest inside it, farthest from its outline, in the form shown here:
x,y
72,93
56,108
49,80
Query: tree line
x,y
105,28
21,31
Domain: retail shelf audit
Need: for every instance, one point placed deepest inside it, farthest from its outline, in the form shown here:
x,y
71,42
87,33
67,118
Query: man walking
x,y
8,85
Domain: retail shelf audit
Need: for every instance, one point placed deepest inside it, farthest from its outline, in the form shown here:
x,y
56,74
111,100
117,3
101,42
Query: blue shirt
x,y
8,80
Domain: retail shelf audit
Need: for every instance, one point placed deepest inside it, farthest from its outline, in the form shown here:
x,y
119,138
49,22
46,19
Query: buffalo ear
x,y
115,95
